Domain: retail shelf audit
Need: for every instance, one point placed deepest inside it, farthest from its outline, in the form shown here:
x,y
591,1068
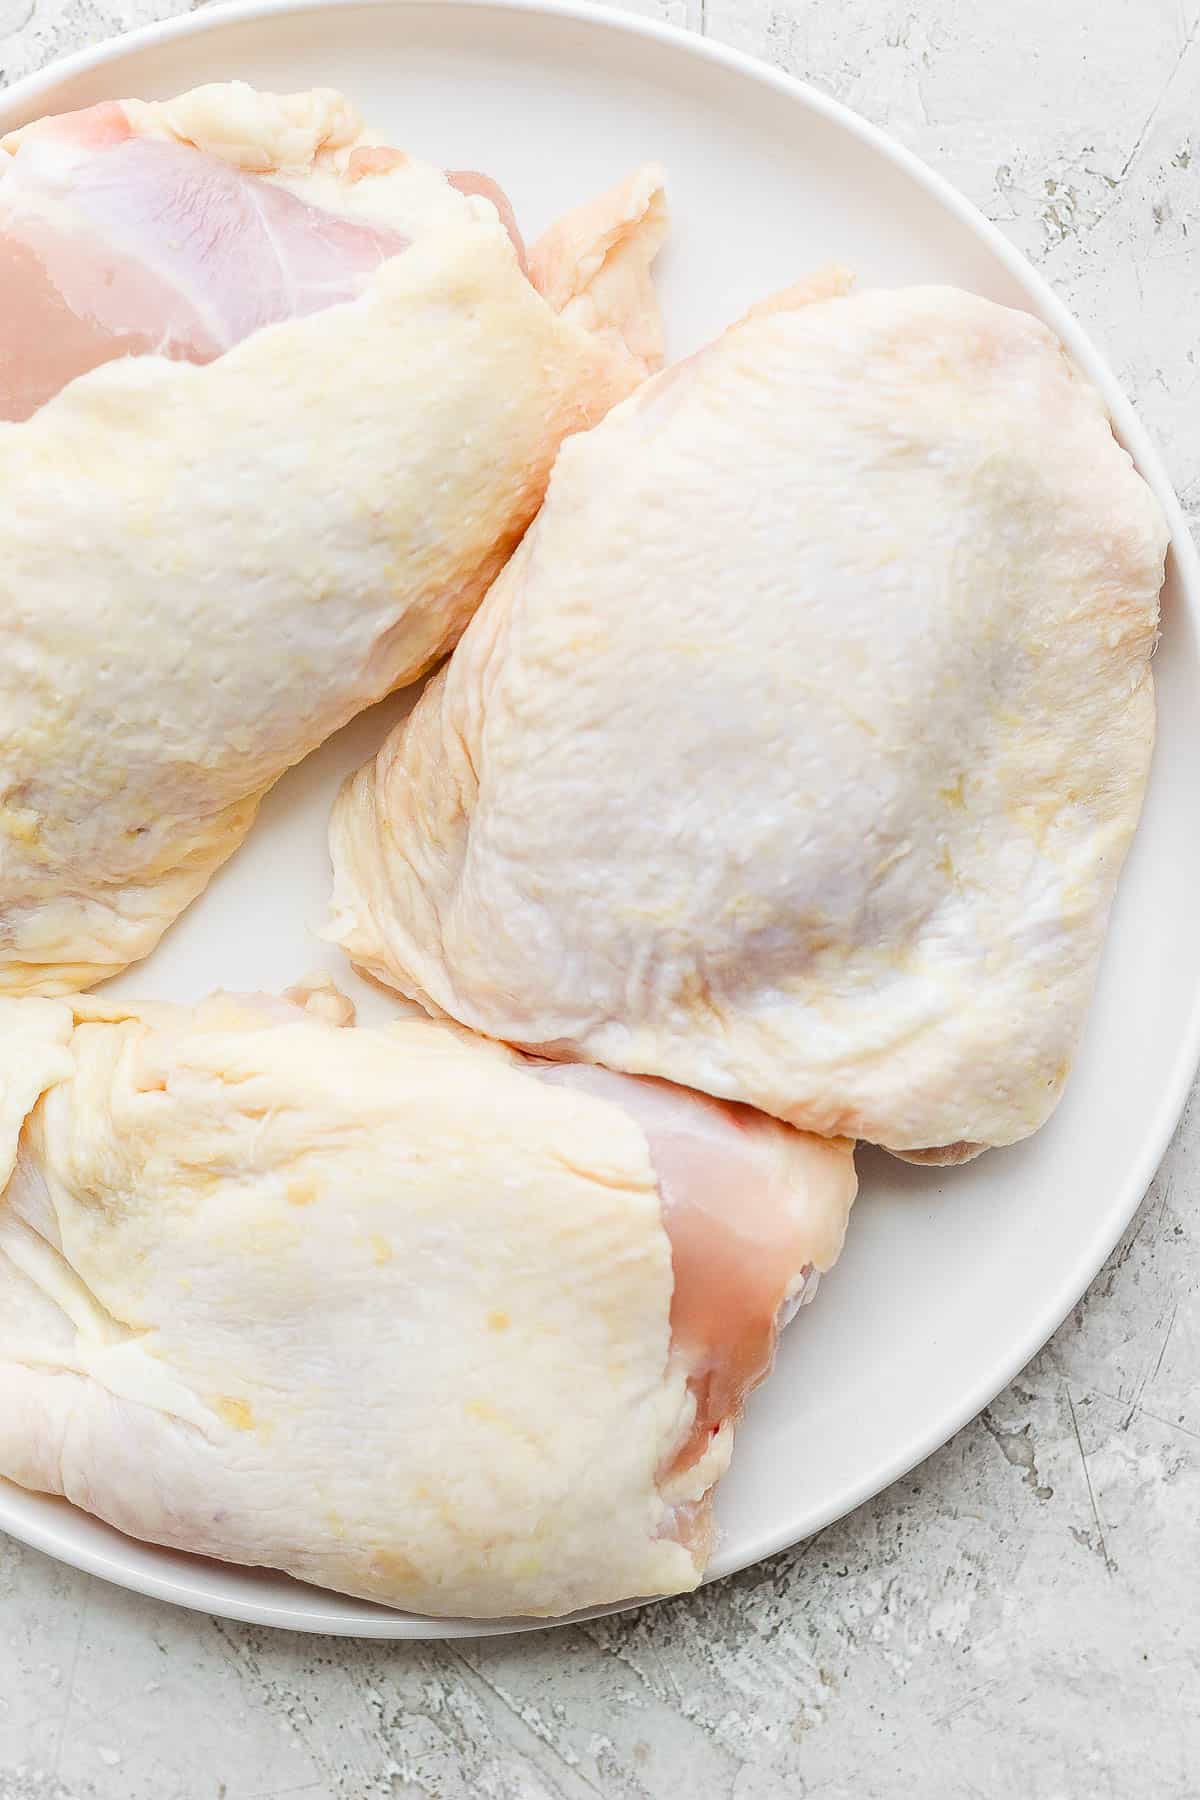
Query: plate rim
x,y
1156,1136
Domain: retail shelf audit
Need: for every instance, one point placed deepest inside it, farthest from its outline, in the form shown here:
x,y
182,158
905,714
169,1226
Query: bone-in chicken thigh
x,y
795,755
392,1309
276,402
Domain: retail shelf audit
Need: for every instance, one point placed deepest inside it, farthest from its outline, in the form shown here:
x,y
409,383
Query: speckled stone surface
x,y
1021,1616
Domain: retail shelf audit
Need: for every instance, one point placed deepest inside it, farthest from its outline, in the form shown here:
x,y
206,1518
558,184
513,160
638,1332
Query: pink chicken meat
x,y
753,1214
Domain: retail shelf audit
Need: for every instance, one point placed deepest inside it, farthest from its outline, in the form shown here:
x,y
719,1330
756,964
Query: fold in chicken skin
x,y
280,401
795,755
393,1310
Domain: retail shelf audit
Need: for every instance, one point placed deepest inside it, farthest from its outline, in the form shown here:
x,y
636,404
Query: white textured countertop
x,y
1021,1616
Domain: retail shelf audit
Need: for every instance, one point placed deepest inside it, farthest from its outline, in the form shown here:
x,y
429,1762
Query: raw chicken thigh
x,y
795,755
206,570
394,1309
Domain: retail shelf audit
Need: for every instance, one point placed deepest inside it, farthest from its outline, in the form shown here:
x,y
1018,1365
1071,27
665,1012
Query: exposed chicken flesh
x,y
747,1236
204,571
390,1309
131,246
795,755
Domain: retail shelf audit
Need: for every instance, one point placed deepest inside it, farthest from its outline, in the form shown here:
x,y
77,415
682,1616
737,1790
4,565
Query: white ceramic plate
x,y
951,1280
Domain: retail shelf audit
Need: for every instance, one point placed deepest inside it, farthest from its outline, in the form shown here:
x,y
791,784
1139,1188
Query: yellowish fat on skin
x,y
828,819
168,655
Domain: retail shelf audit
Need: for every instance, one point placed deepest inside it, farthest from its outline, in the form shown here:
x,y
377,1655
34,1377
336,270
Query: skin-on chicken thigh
x,y
205,570
394,1310
795,755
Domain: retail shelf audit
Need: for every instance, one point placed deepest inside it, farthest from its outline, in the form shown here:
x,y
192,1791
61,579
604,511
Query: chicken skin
x,y
795,755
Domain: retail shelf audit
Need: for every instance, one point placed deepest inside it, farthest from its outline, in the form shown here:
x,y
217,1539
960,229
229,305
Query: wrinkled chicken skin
x,y
795,755
393,1310
207,570
592,267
